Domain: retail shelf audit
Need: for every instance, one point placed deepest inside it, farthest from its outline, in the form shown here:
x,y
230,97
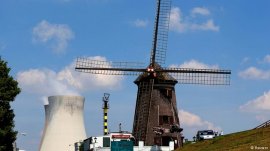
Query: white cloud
x,y
267,59
192,123
209,25
254,73
65,82
200,11
57,35
140,23
194,64
260,104
188,119
180,24
176,20
44,81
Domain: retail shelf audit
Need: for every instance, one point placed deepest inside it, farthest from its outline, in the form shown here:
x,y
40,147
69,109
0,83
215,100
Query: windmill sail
x,y
199,76
160,38
108,67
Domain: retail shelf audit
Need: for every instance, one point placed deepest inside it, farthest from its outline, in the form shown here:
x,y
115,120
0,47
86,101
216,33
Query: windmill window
x,y
167,93
164,119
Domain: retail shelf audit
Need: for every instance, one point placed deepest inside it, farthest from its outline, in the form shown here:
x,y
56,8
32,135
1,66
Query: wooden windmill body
x,y
156,120
156,111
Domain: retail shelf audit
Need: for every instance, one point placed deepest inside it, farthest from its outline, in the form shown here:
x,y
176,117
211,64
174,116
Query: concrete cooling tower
x,y
64,123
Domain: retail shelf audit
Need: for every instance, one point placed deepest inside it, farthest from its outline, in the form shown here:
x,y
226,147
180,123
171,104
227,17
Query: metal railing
x,y
265,124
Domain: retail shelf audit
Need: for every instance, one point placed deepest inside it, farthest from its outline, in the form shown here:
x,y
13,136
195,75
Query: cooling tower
x,y
64,123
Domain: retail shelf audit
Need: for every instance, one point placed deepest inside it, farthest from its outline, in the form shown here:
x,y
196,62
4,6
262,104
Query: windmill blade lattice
x,y
199,76
160,37
109,68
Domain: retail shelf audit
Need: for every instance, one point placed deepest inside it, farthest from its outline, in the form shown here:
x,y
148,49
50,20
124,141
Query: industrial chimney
x,y
64,123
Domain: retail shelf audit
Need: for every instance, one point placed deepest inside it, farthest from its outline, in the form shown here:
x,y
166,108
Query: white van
x,y
205,134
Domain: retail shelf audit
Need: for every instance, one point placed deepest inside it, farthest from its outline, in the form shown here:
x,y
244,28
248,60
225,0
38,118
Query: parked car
x,y
205,134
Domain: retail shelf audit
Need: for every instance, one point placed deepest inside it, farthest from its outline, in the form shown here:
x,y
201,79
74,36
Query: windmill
x,y
156,119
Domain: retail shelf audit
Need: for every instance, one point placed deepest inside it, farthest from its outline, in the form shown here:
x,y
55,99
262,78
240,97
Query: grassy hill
x,y
257,139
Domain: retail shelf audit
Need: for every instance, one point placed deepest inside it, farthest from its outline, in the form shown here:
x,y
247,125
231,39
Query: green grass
x,y
241,141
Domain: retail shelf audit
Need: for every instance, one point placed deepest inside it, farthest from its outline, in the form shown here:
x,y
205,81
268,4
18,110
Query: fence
x,y
265,124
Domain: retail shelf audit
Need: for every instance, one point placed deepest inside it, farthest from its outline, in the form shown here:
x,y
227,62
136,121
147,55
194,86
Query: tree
x,y
8,91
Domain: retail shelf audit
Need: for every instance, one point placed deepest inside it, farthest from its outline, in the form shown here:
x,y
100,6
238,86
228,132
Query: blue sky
x,y
41,40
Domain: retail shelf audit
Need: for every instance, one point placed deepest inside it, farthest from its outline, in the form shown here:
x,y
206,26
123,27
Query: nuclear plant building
x,y
64,123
